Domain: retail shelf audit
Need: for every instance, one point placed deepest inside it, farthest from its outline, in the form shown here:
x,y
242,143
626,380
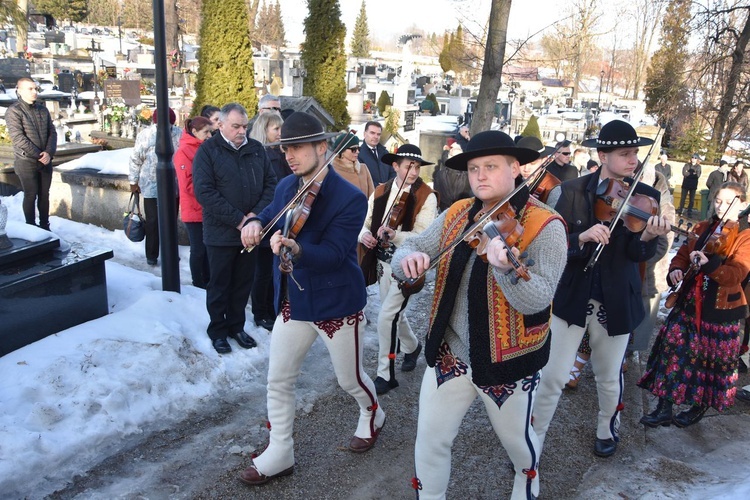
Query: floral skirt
x,y
693,367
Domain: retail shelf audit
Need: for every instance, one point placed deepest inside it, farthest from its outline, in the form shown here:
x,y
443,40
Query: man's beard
x,y
310,170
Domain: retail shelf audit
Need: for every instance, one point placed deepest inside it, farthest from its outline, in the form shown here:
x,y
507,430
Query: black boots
x,y
662,415
689,417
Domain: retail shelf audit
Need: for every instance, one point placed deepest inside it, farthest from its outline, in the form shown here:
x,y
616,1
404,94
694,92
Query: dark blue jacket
x,y
230,184
379,171
620,277
334,286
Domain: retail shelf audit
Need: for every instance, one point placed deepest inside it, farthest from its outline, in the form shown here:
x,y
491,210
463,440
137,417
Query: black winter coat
x,y
31,130
230,184
621,281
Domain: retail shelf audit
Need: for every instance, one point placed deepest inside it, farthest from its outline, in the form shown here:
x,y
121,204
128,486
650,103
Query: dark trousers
x,y
151,212
262,295
687,193
228,289
36,180
199,270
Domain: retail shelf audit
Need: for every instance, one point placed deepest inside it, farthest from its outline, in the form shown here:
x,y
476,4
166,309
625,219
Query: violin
x,y
504,224
718,242
636,212
296,218
621,210
545,181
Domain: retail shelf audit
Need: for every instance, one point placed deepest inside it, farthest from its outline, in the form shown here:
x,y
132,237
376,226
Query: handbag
x,y
133,222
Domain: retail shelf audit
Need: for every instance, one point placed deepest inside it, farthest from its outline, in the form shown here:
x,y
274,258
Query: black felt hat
x,y
535,144
489,143
406,151
617,134
301,127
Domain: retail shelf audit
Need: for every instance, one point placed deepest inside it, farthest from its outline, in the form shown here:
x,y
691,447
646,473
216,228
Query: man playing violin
x,y
324,300
398,209
489,331
605,298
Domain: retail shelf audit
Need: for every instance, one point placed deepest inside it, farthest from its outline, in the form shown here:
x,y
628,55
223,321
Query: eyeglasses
x,y
565,153
353,149
274,108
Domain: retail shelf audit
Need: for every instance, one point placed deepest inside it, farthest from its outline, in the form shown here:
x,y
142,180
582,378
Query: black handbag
x,y
133,223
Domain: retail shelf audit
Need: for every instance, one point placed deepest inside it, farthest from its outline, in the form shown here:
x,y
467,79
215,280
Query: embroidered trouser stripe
x,y
607,354
290,342
441,410
393,327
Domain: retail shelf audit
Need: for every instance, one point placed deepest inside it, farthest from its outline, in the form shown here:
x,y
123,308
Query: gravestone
x,y
12,69
45,290
66,82
53,37
127,90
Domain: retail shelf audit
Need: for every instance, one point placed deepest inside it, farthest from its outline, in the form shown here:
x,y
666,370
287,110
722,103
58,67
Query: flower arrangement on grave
x,y
367,106
101,75
144,114
117,111
175,58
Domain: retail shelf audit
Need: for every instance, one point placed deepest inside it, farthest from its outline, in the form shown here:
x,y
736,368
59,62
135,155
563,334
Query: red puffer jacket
x,y
190,209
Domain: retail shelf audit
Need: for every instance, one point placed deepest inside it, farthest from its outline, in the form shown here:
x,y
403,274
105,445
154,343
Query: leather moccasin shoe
x,y
252,477
605,447
410,360
382,385
222,346
244,340
361,445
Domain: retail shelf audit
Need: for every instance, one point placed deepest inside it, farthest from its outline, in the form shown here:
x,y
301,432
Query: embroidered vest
x,y
518,344
417,196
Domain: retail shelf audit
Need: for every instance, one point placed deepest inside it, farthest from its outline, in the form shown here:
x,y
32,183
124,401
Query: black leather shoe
x,y
743,395
689,417
244,340
410,360
605,447
265,323
151,262
222,346
662,415
382,385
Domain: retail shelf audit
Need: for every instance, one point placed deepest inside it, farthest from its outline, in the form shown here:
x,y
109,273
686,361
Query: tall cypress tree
x,y
361,35
665,81
226,57
279,33
325,60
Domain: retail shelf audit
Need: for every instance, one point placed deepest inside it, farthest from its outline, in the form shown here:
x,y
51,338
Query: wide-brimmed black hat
x,y
617,134
406,151
301,127
489,143
535,144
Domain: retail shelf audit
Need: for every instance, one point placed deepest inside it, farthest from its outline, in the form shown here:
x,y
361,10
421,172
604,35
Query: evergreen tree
x,y
445,60
74,10
665,82
226,57
532,128
383,101
361,35
325,60
458,50
263,25
279,33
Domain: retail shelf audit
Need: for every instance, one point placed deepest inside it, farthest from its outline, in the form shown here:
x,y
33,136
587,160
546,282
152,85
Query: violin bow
x,y
618,216
479,223
675,291
542,170
301,192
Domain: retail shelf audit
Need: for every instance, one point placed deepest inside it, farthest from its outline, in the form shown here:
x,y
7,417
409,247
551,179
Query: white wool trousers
x,y
290,342
607,354
393,327
441,409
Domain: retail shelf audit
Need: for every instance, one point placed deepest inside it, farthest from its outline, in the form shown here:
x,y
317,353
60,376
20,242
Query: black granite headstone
x,y
66,82
13,68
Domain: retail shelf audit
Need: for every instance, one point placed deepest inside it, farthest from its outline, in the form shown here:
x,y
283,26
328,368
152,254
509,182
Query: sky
x,y
392,17
70,400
